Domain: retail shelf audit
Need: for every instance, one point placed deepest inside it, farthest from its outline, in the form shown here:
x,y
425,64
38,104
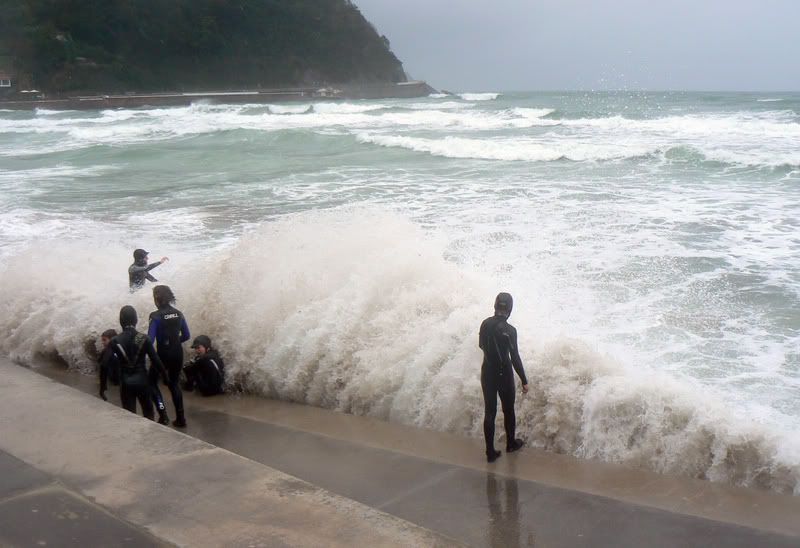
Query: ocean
x,y
343,255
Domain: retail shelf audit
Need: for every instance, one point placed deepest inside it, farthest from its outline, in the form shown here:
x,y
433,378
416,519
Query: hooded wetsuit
x,y
130,347
207,372
139,271
168,329
498,340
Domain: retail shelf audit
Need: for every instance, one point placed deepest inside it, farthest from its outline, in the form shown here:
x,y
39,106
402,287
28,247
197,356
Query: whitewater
x,y
343,255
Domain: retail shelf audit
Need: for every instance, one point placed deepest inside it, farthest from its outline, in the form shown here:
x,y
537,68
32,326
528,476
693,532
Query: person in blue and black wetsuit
x,y
139,271
168,330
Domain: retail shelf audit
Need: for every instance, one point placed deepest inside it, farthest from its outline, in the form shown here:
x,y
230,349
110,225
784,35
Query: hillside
x,y
69,46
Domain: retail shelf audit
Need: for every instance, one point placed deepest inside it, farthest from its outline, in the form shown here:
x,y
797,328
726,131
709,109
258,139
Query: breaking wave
x,y
529,150
453,128
357,310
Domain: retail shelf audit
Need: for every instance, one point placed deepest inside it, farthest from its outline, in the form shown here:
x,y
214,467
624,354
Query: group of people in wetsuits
x,y
124,357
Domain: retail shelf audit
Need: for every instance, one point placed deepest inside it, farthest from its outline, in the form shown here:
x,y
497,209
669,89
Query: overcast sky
x,y
594,44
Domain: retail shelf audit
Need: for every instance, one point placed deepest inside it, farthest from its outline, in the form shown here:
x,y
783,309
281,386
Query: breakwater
x,y
402,90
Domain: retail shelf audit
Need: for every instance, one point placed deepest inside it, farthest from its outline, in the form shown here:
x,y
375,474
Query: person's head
x,y
503,304
107,335
128,316
163,295
201,345
140,256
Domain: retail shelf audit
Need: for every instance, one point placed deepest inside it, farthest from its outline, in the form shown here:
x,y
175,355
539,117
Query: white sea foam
x,y
317,308
479,96
531,150
720,137
346,108
290,109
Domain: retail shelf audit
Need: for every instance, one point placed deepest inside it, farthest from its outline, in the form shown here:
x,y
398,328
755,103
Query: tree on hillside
x,y
152,45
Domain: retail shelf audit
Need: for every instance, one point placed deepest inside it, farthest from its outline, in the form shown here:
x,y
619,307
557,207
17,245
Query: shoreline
x,y
402,90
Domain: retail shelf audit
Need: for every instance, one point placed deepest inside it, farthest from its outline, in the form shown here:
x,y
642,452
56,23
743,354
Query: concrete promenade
x,y
113,474
440,482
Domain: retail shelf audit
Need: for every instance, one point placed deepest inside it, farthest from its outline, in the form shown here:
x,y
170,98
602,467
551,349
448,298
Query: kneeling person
x,y
206,370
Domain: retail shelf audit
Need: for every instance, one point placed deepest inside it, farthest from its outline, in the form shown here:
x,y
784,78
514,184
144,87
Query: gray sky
x,y
594,44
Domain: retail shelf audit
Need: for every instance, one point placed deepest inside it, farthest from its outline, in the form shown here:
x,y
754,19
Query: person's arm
x,y
155,361
185,335
191,367
105,358
135,268
150,277
152,331
151,266
516,361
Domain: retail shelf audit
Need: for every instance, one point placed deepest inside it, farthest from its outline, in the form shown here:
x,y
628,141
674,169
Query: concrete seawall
x,y
179,489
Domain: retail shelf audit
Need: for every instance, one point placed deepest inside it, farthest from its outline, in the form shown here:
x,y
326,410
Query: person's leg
x,y
174,374
127,398
156,396
145,397
173,361
507,397
489,387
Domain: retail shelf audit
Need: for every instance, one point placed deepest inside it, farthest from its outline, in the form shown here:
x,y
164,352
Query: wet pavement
x,y
77,471
36,510
469,505
478,508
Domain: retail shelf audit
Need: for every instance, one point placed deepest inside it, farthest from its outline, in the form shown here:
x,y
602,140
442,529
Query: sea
x,y
342,254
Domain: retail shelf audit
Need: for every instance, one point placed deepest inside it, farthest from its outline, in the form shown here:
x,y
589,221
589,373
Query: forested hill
x,y
171,45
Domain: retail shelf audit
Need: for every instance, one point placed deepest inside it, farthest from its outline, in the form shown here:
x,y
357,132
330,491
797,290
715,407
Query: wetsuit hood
x,y
503,304
202,340
128,317
140,257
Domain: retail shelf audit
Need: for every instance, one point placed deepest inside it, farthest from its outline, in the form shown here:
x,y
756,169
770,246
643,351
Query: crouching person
x,y
207,370
131,347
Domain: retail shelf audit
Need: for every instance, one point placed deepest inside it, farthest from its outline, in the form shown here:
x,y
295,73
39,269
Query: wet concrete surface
x,y
477,508
470,505
35,510
87,473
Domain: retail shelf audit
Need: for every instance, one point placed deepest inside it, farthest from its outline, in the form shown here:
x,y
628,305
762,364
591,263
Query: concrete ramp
x,y
166,484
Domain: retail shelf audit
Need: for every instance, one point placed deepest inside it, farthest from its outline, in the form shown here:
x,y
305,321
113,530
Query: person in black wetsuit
x,y
130,347
498,340
168,330
109,364
207,370
139,271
